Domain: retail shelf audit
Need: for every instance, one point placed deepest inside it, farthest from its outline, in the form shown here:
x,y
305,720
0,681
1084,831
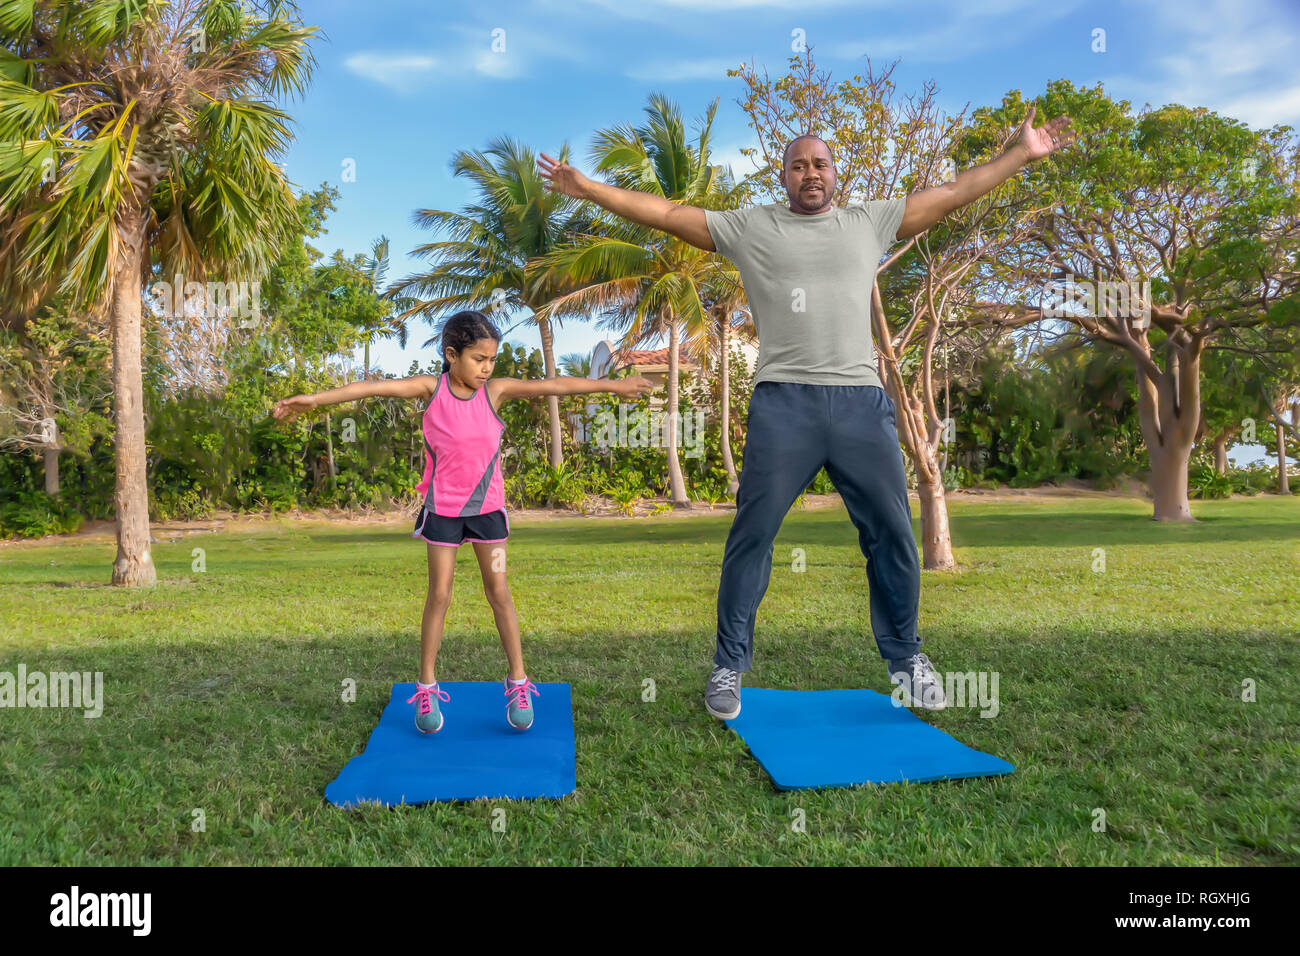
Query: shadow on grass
x,y
252,729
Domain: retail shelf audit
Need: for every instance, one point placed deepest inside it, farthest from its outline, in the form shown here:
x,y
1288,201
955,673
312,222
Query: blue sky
x,y
400,85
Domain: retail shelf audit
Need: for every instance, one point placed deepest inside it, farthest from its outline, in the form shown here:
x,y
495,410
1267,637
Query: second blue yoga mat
x,y
839,738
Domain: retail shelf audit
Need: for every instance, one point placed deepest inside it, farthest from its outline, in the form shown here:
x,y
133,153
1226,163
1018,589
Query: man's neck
x,y
825,209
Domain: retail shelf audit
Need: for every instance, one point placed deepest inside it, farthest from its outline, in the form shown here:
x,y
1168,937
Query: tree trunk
x,y
1221,453
1169,411
1167,484
52,469
947,412
50,451
552,401
133,566
366,374
1283,485
733,485
919,443
936,536
676,485
329,447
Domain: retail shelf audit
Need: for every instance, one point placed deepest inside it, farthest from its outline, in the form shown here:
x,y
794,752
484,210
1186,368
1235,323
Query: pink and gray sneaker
x,y
427,716
519,710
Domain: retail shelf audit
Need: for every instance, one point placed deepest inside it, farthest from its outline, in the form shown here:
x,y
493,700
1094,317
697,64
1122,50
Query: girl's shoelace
x,y
422,695
521,693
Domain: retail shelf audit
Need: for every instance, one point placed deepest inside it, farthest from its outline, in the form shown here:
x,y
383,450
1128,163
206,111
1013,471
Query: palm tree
x,y
387,325
645,282
576,365
134,130
482,266
725,297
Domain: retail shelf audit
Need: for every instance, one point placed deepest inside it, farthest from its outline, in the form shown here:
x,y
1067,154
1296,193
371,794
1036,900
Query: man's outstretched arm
x,y
927,206
684,222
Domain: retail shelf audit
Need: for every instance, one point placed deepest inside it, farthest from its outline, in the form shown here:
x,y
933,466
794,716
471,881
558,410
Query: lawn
x,y
1119,690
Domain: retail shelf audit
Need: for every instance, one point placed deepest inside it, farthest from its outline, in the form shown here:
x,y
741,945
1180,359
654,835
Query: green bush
x,y
36,514
187,505
625,493
958,476
1204,482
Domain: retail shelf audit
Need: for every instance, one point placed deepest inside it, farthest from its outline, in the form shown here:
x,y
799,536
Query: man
x,y
808,270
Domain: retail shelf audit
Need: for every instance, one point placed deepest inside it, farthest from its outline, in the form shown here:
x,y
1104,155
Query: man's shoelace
x,y
726,679
521,693
422,695
922,669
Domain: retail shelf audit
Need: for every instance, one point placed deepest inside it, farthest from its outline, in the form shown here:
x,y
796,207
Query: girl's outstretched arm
x,y
417,386
504,389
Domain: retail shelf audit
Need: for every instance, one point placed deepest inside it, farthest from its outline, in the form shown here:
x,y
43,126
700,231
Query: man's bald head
x,y
807,138
808,174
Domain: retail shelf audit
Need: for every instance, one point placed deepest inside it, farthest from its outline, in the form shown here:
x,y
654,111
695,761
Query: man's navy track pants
x,y
793,431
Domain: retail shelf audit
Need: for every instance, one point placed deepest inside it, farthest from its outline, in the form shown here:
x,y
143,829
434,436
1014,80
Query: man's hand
x,y
927,206
563,178
287,409
687,223
1038,143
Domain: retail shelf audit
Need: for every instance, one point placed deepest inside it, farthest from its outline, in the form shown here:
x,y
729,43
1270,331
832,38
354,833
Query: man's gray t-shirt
x,y
808,279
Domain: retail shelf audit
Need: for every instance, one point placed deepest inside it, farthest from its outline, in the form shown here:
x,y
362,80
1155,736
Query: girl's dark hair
x,y
464,329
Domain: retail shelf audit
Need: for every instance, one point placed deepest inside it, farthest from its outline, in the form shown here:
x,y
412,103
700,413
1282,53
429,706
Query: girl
x,y
464,499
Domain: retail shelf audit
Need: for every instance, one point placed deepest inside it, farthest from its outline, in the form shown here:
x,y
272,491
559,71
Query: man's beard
x,y
813,201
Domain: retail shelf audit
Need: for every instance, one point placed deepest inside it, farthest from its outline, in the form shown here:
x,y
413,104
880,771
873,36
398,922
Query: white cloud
x,y
1237,60
497,53
498,66
401,72
966,29
1262,110
963,30
659,9
729,154
668,71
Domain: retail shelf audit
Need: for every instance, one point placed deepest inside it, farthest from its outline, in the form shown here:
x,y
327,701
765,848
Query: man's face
x,y
809,176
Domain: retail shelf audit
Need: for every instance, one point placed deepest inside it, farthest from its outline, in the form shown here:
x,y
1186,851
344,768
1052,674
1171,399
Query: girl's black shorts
x,y
453,532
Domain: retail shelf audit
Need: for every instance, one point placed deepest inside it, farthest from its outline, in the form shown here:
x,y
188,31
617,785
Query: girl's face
x,y
474,365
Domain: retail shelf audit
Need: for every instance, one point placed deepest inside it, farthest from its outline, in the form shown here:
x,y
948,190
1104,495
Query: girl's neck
x,y
453,382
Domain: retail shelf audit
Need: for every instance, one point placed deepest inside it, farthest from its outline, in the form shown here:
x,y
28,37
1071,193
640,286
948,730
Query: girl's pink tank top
x,y
462,454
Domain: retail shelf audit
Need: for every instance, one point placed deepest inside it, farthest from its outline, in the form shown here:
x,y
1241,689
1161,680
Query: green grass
x,y
1119,690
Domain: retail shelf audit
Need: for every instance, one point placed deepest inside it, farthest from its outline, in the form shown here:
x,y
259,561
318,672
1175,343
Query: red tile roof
x,y
625,357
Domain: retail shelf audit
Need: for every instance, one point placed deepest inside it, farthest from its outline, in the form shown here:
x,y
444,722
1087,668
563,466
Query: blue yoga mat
x,y
839,738
476,754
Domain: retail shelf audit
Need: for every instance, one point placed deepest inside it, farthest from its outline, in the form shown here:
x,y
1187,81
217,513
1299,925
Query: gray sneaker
x,y
722,693
916,675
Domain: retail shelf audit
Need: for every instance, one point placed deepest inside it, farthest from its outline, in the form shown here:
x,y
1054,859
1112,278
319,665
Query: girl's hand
x,y
631,387
288,409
